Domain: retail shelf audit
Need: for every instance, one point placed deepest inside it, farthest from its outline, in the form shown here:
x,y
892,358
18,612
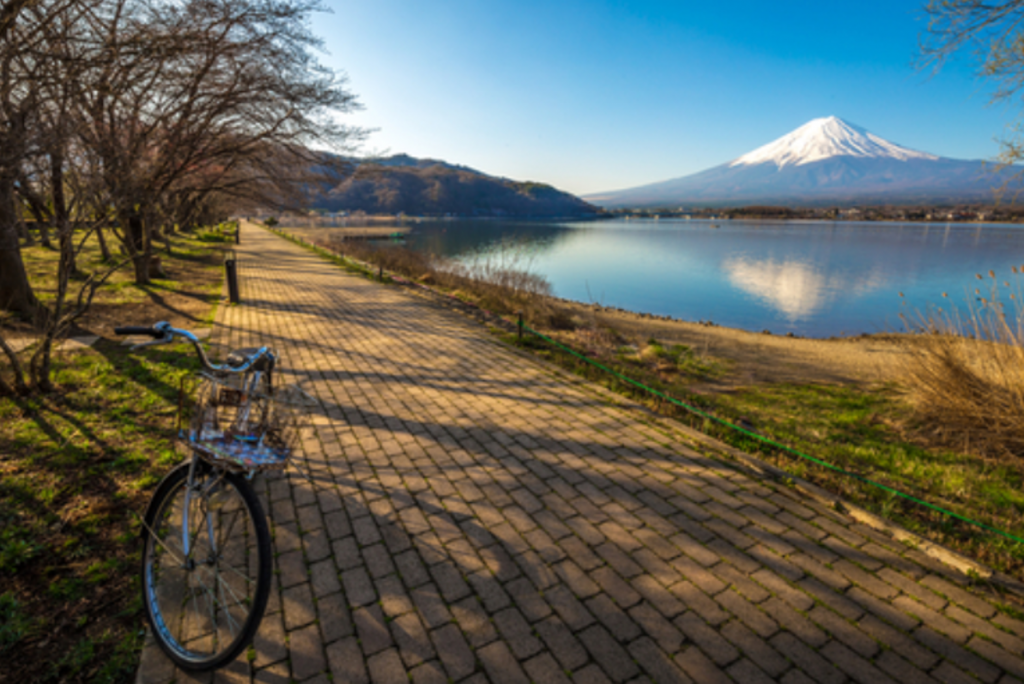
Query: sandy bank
x,y
759,358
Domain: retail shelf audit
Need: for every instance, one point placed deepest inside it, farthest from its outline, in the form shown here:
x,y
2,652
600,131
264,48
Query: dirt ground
x,y
758,358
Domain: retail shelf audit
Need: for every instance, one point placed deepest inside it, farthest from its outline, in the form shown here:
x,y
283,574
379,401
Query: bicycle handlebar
x,y
137,330
163,333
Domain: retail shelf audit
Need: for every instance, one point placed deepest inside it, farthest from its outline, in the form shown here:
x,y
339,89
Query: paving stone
x,y
795,622
359,589
817,668
901,670
516,632
708,639
306,651
612,617
755,648
952,652
566,647
293,568
656,663
298,606
453,651
429,673
614,586
386,667
703,671
324,578
608,653
568,607
346,662
413,642
476,625
372,629
591,674
544,670
527,599
859,669
335,619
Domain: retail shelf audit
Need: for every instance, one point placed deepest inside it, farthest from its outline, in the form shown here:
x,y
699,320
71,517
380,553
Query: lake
x,y
815,279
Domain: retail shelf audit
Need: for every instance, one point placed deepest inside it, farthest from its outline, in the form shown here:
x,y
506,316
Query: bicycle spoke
x,y
227,611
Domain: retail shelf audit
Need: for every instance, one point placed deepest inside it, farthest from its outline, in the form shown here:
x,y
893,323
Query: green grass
x,y
78,465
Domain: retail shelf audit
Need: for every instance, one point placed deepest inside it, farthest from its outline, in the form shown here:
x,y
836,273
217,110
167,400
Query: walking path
x,y
478,516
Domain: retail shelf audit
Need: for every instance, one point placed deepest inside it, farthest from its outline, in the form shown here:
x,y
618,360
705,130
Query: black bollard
x,y
520,315
232,275
238,233
380,273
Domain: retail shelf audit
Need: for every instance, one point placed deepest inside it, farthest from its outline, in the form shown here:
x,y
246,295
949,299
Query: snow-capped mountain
x,y
825,161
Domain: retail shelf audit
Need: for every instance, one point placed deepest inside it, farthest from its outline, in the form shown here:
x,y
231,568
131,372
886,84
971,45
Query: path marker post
x,y
519,315
231,271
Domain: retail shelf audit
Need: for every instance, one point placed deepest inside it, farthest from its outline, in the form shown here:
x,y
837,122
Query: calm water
x,y
811,278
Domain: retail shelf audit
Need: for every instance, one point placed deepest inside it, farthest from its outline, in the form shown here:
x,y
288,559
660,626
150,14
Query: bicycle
x,y
206,560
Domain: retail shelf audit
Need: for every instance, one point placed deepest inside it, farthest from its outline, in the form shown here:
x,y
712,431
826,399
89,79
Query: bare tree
x,y
198,96
134,115
993,32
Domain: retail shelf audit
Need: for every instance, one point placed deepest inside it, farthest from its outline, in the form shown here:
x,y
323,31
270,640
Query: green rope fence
x,y
770,442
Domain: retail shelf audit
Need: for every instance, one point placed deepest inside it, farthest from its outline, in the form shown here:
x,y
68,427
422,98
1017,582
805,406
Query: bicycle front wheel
x,y
206,566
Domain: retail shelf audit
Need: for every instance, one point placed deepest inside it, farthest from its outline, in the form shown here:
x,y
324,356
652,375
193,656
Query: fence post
x,y
519,314
231,270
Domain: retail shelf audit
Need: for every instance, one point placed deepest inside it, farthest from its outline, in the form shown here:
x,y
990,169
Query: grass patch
x,y
76,467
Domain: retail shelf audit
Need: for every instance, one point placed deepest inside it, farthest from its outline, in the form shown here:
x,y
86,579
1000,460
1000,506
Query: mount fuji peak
x,y
828,137
825,161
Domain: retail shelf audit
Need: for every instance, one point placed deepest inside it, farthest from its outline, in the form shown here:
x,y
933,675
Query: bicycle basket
x,y
247,431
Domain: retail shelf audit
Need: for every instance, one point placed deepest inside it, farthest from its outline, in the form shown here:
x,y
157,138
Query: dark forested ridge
x,y
427,187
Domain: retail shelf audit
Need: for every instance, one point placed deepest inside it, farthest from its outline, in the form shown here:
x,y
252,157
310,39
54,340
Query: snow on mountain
x,y
824,138
826,161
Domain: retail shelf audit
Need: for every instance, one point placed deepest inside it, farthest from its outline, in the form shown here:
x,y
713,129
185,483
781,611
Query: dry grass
x,y
501,283
967,382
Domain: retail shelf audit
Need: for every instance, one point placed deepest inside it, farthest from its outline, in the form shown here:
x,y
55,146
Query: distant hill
x,y
427,187
826,161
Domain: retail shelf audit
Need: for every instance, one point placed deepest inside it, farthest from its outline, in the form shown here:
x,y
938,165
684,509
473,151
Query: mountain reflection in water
x,y
811,278
795,288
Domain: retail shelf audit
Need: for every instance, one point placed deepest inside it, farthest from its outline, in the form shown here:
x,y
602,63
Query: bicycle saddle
x,y
239,357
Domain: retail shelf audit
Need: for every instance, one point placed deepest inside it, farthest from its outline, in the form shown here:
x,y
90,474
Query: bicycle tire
x,y
182,635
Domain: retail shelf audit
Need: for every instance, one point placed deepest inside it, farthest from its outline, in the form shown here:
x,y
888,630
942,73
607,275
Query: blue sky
x,y
600,95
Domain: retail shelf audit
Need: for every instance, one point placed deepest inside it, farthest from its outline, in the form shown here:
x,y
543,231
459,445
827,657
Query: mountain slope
x,y
825,161
429,187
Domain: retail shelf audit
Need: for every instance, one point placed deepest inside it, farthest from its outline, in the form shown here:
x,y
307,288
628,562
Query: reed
x,y
966,381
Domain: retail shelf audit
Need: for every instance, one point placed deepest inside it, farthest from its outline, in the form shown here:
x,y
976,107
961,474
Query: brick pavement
x,y
478,517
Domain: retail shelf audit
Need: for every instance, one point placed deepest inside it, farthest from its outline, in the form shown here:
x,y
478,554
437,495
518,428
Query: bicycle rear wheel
x,y
204,605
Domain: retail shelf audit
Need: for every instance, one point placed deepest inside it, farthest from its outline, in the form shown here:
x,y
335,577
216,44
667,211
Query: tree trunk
x,y
16,293
139,246
24,234
61,220
44,234
104,250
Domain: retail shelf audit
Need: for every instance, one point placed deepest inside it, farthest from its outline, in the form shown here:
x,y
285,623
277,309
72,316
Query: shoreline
x,y
758,358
